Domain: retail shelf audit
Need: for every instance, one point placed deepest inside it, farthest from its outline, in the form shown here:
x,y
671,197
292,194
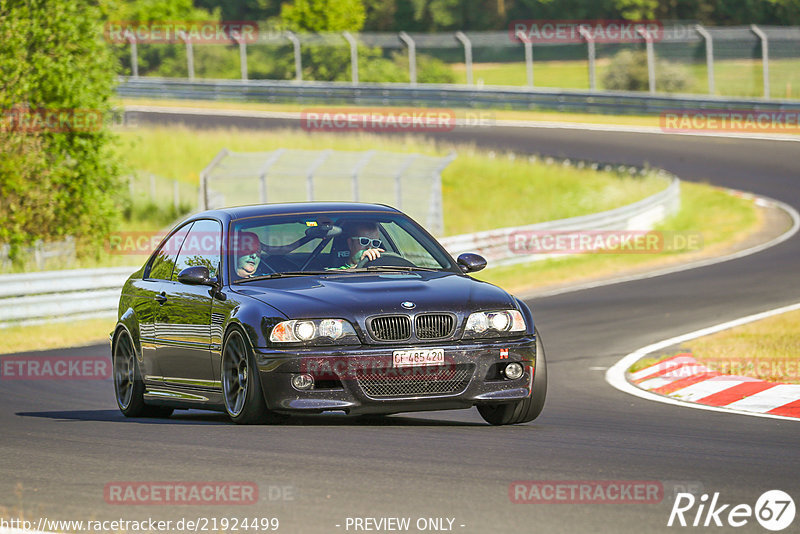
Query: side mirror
x,y
197,275
470,262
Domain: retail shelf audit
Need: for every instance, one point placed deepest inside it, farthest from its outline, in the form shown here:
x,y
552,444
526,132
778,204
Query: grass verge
x,y
768,349
480,190
44,337
720,218
734,77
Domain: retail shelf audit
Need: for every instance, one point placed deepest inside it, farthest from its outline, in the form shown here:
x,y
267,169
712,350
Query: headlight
x,y
316,331
494,323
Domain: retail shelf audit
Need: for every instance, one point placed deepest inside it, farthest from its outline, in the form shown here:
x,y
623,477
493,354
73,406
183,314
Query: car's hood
x,y
359,295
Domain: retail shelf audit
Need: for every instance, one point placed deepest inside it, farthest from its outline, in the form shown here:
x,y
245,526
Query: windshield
x,y
300,244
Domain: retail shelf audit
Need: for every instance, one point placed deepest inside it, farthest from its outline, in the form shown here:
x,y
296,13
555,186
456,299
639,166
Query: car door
x,y
156,280
183,317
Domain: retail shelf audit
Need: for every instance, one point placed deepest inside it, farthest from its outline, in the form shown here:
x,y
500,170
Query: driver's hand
x,y
372,253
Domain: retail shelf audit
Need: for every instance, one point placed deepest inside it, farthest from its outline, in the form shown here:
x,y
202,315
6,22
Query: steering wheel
x,y
386,258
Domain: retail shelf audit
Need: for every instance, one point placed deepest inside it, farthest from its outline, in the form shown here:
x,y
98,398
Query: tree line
x,y
453,15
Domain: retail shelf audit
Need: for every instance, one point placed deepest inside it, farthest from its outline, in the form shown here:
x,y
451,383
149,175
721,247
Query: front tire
x,y
128,384
526,410
241,386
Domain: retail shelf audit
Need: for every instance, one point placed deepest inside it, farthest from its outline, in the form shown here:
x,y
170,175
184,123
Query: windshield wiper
x,y
286,274
391,268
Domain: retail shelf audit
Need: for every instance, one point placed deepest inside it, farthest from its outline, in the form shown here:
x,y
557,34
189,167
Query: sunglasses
x,y
364,241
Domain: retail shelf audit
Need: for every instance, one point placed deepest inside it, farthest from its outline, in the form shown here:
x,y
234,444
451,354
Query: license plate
x,y
417,357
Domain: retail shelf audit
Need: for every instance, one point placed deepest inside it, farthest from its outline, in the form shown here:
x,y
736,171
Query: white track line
x,y
616,373
661,367
555,125
704,389
769,399
655,383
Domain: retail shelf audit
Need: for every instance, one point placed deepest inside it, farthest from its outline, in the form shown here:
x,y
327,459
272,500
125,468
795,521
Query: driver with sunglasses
x,y
364,240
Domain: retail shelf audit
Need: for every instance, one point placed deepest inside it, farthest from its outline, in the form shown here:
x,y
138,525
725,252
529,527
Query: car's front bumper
x,y
361,380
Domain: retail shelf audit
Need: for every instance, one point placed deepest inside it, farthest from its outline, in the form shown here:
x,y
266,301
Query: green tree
x,y
161,59
323,15
243,10
323,62
637,9
55,181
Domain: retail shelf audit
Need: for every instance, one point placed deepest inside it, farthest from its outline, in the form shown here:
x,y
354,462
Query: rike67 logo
x,y
774,510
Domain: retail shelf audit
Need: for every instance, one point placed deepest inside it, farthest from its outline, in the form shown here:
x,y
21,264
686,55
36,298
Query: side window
x,y
201,247
164,261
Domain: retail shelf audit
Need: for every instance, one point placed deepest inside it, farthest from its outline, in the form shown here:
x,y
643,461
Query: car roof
x,y
241,212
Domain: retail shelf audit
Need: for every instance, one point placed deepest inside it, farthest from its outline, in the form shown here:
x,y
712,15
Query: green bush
x,y
628,72
429,69
55,181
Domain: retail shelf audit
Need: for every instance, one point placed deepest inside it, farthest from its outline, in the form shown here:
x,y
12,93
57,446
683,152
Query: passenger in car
x,y
248,254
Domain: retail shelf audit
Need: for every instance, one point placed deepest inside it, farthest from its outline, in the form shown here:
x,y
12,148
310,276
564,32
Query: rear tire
x,y
526,410
241,385
128,384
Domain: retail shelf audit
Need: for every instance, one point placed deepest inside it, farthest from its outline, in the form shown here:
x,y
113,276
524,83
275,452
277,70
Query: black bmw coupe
x,y
264,311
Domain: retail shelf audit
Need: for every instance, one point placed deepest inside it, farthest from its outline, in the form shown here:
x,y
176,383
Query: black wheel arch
x,y
125,324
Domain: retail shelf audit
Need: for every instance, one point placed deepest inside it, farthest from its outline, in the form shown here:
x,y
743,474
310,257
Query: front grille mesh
x,y
434,325
415,381
391,328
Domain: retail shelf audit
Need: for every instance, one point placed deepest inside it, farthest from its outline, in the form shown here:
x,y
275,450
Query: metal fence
x,y
410,182
42,255
744,61
146,187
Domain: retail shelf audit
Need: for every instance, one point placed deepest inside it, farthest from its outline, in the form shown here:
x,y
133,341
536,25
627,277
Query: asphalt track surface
x,y
61,442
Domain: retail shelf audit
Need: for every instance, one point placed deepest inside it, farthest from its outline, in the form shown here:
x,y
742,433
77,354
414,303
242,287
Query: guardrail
x,y
495,245
54,296
398,94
